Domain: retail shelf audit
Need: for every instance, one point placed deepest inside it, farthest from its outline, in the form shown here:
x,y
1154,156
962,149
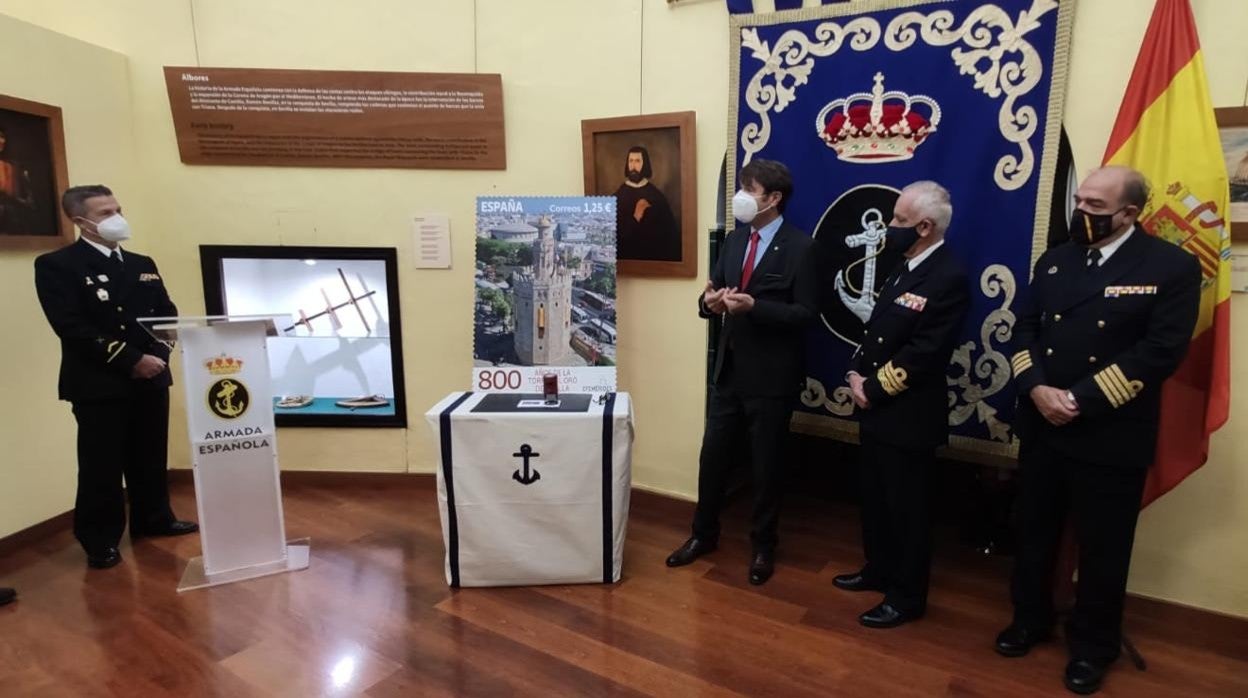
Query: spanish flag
x,y
1166,130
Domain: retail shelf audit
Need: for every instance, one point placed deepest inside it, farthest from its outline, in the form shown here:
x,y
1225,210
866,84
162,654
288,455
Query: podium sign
x,y
233,449
225,371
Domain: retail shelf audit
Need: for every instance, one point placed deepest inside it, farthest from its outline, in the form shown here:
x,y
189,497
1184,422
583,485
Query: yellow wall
x,y
572,60
37,462
562,61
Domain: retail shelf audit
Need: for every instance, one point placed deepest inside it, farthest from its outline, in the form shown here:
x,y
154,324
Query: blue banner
x,y
862,99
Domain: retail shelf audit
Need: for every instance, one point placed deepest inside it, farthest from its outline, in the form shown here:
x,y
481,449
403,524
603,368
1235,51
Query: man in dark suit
x,y
897,377
114,374
1108,318
763,290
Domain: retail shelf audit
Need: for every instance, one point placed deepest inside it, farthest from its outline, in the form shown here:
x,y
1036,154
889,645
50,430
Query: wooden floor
x,y
373,616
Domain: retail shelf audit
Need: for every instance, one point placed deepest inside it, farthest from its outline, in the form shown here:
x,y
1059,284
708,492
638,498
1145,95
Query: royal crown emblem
x,y
223,365
878,126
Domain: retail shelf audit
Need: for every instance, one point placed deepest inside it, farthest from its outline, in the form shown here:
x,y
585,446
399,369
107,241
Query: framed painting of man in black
x,y
648,163
32,175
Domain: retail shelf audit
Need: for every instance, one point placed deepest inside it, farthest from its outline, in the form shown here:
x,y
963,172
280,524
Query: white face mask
x,y
114,228
745,207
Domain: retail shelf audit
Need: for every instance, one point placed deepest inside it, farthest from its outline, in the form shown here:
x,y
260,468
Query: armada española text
x,y
245,444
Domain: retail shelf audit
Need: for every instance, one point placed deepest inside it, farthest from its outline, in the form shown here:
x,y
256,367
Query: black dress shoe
x,y
1084,676
7,595
854,581
693,549
175,528
1017,640
886,616
762,566
102,560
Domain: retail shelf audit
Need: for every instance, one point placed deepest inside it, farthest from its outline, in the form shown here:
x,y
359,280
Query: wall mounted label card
x,y
1239,272
431,233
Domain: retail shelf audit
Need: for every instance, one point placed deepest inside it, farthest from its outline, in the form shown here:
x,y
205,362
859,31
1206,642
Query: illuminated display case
x,y
338,358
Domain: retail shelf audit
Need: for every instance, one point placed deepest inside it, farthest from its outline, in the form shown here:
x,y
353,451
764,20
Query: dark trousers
x,y
1104,502
896,525
117,438
737,425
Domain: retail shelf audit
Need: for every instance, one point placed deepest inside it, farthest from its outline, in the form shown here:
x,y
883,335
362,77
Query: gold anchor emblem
x,y
228,399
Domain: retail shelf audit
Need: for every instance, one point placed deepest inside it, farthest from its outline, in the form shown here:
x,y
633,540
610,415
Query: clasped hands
x,y
148,367
1055,405
726,300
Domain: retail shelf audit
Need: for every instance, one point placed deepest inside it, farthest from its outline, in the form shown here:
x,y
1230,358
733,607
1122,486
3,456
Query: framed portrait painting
x,y
32,175
649,164
1233,130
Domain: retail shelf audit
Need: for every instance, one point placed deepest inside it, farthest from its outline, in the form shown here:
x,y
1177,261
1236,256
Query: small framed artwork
x,y
32,175
1233,128
649,164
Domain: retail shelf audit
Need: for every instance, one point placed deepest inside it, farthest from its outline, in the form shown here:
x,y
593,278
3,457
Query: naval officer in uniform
x,y
114,374
897,377
1108,318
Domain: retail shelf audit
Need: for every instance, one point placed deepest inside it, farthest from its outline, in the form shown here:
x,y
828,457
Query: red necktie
x,y
749,260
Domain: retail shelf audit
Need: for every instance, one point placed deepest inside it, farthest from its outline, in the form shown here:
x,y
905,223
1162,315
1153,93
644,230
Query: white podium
x,y
229,413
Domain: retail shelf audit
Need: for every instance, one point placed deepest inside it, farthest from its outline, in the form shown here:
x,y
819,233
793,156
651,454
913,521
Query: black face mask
x,y
901,239
1090,228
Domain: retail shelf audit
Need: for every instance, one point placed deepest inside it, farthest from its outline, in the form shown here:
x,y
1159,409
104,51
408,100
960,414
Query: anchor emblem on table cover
x,y
530,474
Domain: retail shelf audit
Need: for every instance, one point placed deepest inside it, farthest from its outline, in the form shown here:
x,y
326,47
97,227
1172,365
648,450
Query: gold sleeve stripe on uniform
x,y
1113,376
886,381
1117,387
1021,362
1112,393
1129,388
1133,387
892,378
114,352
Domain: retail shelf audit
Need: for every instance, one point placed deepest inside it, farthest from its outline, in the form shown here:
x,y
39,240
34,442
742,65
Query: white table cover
x,y
560,521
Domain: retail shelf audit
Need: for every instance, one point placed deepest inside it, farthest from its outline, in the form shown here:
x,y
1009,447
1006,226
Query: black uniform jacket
x,y
905,352
92,304
1110,336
